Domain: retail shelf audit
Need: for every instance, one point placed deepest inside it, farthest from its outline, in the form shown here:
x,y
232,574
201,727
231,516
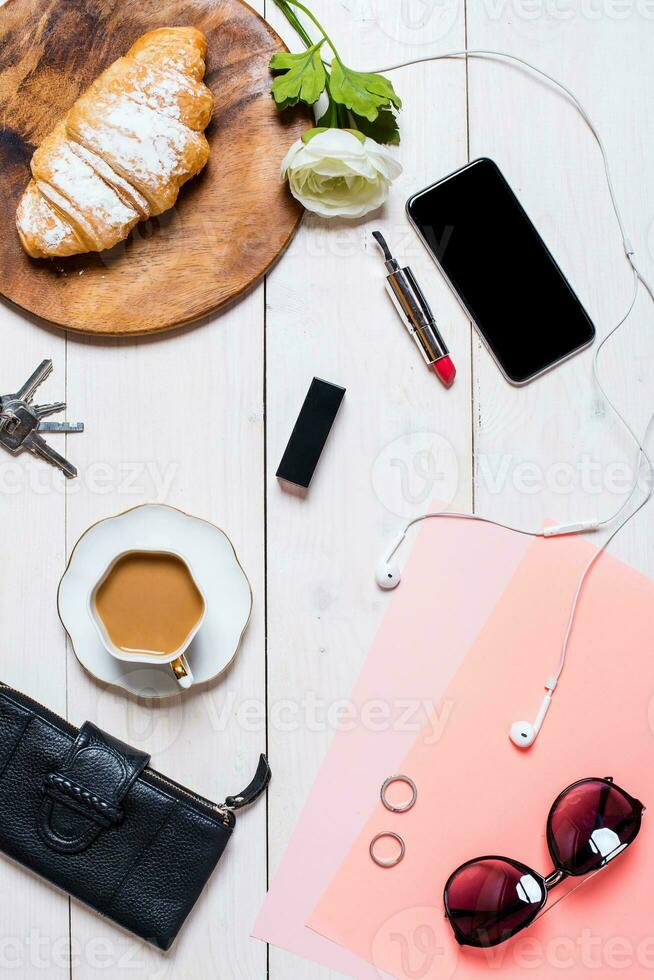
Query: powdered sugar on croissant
x,y
123,150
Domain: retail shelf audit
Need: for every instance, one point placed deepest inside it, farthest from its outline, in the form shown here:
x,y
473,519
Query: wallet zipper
x,y
252,792
68,726
226,812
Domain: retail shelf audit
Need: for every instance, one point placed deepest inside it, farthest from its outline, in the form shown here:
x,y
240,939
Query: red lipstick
x,y
444,368
416,314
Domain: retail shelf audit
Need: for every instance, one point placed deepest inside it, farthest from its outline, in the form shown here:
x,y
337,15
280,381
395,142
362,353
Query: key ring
x,y
387,862
401,807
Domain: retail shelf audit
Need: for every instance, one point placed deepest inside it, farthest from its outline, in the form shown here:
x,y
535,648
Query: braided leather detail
x,y
66,787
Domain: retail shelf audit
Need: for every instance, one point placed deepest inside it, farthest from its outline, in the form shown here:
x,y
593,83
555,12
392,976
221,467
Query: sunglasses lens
x,y
487,901
589,824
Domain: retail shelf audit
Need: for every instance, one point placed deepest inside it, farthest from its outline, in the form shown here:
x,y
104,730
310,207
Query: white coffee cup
x,y
177,659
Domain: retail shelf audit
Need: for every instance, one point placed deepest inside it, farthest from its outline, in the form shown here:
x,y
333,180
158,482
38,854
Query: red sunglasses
x,y
490,899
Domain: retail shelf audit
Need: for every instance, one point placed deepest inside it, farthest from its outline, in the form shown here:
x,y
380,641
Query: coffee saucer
x,y
206,549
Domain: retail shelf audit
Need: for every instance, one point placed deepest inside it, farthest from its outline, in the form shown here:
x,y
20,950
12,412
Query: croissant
x,y
123,150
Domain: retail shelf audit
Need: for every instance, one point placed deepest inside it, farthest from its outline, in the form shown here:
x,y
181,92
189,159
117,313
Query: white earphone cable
x,y
639,278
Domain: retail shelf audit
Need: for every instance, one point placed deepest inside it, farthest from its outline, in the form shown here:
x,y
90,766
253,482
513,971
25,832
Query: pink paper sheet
x,y
477,794
452,580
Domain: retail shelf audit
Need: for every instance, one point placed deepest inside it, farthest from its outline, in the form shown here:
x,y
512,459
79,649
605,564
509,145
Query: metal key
x,y
43,371
65,427
36,444
20,432
26,393
21,422
20,419
42,410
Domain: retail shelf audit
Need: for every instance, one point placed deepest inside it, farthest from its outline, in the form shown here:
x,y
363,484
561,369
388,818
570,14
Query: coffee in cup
x,y
147,608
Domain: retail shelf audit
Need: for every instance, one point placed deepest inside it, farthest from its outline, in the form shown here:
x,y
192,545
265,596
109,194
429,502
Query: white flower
x,y
337,173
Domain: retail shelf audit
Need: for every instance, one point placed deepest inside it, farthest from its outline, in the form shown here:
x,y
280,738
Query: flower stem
x,y
312,18
336,115
294,22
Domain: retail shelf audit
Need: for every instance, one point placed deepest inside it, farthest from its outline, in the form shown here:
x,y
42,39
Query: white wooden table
x,y
401,439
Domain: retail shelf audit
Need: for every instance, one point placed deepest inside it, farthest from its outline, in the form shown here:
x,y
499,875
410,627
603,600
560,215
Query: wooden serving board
x,y
229,224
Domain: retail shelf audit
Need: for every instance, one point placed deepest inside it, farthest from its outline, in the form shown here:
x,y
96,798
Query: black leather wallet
x,y
86,811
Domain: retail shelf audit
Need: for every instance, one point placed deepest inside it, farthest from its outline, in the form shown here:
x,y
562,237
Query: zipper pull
x,y
255,788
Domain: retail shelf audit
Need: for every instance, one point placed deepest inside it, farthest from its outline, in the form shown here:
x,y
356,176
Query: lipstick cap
x,y
310,432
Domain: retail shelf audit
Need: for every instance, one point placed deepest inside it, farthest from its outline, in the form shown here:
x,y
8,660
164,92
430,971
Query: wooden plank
x,y
33,654
397,431
180,420
553,448
33,650
184,414
35,916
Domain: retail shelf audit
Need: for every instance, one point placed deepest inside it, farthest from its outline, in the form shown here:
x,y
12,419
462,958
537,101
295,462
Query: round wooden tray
x,y
229,224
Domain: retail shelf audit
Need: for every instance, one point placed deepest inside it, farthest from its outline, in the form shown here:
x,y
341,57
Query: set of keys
x,y
22,423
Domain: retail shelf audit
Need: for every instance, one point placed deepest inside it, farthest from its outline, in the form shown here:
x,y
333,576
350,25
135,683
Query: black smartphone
x,y
501,270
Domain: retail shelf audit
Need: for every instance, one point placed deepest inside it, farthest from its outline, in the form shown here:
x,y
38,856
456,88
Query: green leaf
x,y
384,129
303,78
363,93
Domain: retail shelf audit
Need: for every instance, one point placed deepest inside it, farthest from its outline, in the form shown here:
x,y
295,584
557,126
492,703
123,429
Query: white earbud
x,y
523,733
387,573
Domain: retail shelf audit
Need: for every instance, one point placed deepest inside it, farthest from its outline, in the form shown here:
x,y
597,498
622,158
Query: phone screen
x,y
501,269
